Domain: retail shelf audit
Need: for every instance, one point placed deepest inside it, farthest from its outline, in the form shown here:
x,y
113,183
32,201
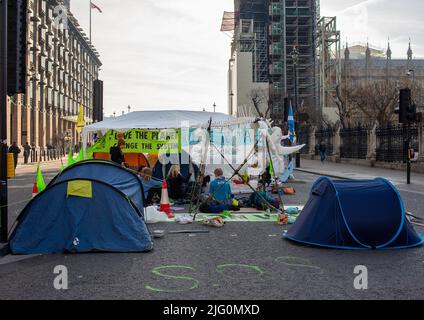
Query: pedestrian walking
x,y
323,151
16,151
27,152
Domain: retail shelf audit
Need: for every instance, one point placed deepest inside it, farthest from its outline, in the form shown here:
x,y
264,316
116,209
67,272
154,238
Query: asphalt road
x,y
240,261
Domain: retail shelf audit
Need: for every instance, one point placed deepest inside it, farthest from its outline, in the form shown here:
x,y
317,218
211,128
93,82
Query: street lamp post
x,y
3,122
295,58
407,143
214,107
129,109
231,102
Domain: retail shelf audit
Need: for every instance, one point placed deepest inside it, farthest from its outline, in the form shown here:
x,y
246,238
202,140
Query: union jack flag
x,y
93,6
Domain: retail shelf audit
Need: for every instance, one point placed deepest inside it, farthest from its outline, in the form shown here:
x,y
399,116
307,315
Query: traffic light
x,y
404,103
407,111
16,46
411,154
98,101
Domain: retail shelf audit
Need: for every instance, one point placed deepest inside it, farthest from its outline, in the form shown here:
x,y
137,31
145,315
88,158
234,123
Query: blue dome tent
x,y
80,216
350,214
107,171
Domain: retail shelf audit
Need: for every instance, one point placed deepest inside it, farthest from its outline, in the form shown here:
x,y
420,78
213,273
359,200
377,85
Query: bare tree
x,y
343,101
260,102
376,100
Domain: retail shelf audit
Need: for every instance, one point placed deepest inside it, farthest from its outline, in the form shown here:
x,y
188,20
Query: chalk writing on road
x,y
230,270
158,271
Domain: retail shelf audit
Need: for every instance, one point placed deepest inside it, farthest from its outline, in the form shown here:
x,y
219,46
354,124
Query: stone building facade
x,y
62,65
364,64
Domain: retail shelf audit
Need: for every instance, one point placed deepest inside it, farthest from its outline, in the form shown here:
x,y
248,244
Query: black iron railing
x,y
325,136
45,154
391,142
354,143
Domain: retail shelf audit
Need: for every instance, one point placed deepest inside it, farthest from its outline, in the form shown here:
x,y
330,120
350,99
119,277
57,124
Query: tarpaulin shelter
x,y
351,214
248,144
109,172
80,215
142,128
158,119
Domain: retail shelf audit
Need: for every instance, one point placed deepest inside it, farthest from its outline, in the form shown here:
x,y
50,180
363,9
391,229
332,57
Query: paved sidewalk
x,y
23,169
349,171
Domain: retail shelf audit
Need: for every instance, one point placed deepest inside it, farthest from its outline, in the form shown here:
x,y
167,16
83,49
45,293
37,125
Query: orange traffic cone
x,y
34,190
164,201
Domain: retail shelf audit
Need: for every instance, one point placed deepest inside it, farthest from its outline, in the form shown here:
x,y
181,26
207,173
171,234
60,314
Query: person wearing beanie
x,y
116,154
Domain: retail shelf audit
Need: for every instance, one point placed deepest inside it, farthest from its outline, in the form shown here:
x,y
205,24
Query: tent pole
x,y
197,188
275,177
237,172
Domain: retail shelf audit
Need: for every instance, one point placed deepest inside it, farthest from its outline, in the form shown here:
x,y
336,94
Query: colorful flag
x,y
81,120
287,173
271,170
291,123
93,6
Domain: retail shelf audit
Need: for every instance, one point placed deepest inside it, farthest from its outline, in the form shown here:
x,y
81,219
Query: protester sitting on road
x,y
205,188
206,184
177,183
220,188
151,186
116,153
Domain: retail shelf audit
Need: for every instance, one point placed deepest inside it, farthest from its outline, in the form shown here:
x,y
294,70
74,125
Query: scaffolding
x,y
329,57
277,53
301,17
251,35
269,29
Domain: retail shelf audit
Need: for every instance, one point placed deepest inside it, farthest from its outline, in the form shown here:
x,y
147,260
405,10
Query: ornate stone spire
x,y
410,53
368,52
389,60
389,51
347,52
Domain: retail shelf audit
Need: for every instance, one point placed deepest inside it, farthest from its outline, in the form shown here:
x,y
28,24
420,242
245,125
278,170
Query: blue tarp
x,y
126,181
54,222
350,214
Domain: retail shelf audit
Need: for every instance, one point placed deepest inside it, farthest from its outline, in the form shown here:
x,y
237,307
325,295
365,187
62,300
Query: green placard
x,y
142,141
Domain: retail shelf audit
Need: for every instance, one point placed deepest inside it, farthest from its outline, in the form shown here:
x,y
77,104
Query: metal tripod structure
x,y
196,191
197,188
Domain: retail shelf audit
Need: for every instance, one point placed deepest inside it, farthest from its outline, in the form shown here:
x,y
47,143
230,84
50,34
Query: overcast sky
x,y
170,54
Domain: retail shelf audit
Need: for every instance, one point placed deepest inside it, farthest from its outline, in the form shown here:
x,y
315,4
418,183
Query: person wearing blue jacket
x,y
220,188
